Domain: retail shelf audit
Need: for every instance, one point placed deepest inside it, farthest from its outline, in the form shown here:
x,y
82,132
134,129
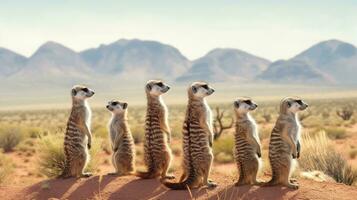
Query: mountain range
x,y
328,62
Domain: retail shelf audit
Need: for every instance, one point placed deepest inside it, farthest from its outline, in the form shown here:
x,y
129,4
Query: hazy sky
x,y
271,29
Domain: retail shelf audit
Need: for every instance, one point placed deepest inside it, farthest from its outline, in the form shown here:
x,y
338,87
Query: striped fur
x,y
122,141
78,137
284,146
247,151
197,140
157,153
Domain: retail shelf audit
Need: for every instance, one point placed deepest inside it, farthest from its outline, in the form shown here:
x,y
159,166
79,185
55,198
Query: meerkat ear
x,y
289,104
148,87
125,105
74,92
194,89
236,104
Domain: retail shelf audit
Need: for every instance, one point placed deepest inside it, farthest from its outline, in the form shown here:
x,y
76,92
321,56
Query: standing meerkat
x,y
157,153
247,151
122,142
284,146
78,137
197,140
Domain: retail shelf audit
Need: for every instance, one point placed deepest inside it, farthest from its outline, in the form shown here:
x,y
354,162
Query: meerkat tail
x,y
182,185
145,175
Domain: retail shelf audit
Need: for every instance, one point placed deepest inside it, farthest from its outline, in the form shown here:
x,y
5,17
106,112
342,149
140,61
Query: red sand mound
x,y
111,187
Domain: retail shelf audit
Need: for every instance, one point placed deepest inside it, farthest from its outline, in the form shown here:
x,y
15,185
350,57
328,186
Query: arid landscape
x,y
33,155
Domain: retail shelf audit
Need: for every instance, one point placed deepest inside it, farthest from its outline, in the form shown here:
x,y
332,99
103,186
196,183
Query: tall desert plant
x,y
319,154
51,157
5,168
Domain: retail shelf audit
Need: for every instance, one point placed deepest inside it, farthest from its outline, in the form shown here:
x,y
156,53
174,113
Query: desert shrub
x,y
319,154
336,133
223,148
5,168
10,136
51,156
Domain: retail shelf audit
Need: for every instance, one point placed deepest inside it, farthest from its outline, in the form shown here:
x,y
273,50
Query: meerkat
x,y
78,137
247,151
157,153
197,140
122,142
284,146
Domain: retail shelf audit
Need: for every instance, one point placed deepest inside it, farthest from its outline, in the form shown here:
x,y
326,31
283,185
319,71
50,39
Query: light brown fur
x,y
157,153
78,137
284,147
197,140
122,142
247,150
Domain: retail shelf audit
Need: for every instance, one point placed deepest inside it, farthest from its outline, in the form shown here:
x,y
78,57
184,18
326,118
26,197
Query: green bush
x,y
223,148
318,154
10,136
52,159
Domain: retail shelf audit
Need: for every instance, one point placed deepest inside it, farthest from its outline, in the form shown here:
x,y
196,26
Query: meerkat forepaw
x,y
89,146
211,184
86,175
293,186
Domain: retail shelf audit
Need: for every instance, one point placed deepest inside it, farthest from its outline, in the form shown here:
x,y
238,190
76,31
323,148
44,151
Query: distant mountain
x,y
225,65
294,71
10,62
54,61
138,58
331,61
334,57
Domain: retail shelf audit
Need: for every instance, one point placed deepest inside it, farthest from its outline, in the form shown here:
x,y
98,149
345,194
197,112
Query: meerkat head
x,y
156,88
292,105
80,92
244,105
200,90
117,107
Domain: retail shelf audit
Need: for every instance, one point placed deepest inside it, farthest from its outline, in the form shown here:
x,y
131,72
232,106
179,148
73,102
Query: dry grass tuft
x,y
318,154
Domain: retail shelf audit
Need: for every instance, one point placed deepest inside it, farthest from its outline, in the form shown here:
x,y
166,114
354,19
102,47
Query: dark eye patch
x,y
205,86
299,102
160,84
85,90
115,103
249,102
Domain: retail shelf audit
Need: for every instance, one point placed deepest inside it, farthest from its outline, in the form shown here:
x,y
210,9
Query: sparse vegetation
x,y
5,168
318,154
218,126
345,113
223,149
10,136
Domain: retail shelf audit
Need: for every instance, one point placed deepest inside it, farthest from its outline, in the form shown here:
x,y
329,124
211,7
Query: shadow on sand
x,y
153,189
83,188
255,192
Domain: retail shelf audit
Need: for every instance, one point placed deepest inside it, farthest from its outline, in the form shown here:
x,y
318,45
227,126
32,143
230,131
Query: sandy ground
x,y
129,187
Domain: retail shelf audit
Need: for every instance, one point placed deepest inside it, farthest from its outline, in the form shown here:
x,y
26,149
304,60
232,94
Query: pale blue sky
x,y
271,29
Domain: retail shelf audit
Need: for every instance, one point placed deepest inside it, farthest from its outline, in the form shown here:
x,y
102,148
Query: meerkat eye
x,y
85,90
299,102
115,103
160,84
205,86
249,102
